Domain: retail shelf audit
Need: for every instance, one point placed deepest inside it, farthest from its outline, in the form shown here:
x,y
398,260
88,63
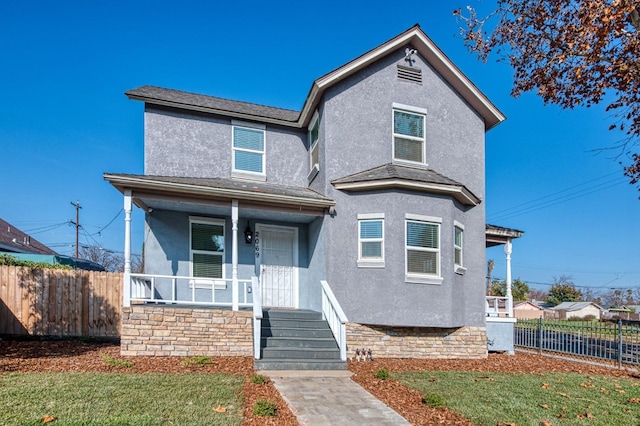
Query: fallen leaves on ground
x,y
81,356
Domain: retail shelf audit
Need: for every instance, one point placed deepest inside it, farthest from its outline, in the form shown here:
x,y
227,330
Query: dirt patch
x,y
94,356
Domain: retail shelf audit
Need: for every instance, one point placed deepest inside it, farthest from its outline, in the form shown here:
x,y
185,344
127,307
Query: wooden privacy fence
x,y
62,303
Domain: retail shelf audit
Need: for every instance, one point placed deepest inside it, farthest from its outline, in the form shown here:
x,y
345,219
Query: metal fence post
x,y
619,342
540,335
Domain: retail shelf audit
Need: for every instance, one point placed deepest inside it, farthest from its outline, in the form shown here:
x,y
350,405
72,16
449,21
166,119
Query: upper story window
x,y
207,248
422,248
371,240
409,134
248,149
314,136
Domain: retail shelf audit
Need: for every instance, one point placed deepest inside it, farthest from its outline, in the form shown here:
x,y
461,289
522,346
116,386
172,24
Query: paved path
x,y
331,398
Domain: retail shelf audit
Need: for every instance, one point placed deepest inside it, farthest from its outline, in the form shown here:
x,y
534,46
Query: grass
x,y
199,361
120,399
123,363
527,399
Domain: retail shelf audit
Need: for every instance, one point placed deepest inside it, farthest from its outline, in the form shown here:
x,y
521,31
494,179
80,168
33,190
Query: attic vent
x,y
413,75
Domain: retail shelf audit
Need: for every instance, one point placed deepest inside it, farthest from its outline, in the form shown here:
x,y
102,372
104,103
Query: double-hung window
x,y
458,245
422,247
207,249
371,240
314,136
248,149
409,134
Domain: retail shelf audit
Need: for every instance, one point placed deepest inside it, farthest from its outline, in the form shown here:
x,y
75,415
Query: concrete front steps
x,y
297,340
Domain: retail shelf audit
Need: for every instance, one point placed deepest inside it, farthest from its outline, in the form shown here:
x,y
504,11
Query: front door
x,y
278,260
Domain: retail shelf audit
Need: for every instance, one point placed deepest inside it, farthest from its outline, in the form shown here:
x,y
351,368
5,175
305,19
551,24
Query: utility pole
x,y
77,222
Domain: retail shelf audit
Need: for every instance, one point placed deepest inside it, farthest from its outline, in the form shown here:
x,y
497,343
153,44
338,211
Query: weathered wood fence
x,y
62,303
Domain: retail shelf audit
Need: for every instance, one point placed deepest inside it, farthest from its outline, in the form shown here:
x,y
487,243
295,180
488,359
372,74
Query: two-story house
x,y
364,209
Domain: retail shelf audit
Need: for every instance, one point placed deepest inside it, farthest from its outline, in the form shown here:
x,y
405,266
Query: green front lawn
x,y
121,399
531,399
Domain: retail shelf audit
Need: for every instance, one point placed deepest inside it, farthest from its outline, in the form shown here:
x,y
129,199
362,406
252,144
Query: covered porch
x,y
216,251
500,319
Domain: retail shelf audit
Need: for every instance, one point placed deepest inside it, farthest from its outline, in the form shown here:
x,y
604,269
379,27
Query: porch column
x,y
509,302
126,290
234,254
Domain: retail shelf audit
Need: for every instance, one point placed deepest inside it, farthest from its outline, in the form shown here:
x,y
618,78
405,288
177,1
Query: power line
x,y
526,208
77,222
110,222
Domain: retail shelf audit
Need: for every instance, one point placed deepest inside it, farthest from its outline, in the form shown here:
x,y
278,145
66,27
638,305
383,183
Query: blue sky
x,y
64,119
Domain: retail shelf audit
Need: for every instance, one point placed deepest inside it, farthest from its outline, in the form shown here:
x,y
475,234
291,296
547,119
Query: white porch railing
x,y
494,309
333,314
153,288
257,316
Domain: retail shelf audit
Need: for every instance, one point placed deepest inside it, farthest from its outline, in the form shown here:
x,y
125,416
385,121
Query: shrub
x,y
434,400
117,362
258,379
382,374
263,407
197,360
7,260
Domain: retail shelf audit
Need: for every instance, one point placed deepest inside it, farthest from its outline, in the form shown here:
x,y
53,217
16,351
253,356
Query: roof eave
x,y
122,182
217,111
460,193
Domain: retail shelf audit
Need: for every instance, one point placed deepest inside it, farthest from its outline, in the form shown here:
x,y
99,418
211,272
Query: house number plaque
x,y
257,243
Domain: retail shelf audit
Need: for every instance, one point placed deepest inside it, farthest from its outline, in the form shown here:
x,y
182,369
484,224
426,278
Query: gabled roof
x,y
413,36
14,240
575,306
220,188
399,176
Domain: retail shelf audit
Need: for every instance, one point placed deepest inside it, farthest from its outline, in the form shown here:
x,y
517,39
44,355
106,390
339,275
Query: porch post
x,y
234,254
126,290
509,302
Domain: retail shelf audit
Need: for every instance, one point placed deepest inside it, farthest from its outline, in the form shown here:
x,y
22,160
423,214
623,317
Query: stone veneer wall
x,y
418,342
163,331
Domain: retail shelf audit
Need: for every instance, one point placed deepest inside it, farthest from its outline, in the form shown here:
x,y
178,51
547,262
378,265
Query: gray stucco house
x,y
364,208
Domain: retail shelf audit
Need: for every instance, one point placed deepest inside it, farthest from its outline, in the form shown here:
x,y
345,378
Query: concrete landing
x,y
331,398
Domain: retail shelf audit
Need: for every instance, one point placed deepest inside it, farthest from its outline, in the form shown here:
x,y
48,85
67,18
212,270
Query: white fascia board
x,y
459,193
126,182
434,56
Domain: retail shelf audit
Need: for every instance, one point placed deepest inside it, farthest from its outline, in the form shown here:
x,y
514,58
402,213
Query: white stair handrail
x,y
257,316
334,315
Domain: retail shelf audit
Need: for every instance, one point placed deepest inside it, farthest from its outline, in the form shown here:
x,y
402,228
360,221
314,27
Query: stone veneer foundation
x,y
418,342
164,331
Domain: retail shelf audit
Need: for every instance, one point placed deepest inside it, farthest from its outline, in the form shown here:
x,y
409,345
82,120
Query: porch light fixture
x,y
248,235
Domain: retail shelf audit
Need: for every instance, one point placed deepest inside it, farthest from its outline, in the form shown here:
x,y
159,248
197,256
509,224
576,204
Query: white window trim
x,y
367,262
423,278
423,139
245,173
458,268
206,283
314,167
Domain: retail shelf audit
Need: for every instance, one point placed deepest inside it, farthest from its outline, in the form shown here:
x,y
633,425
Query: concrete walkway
x,y
331,398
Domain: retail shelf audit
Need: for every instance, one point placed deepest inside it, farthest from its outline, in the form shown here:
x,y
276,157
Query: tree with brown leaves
x,y
573,52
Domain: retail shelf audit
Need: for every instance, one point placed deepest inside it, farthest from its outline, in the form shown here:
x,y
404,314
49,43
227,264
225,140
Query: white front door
x,y
277,259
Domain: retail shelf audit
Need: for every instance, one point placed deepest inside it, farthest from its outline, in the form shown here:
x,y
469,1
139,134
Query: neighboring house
x,y
527,310
366,205
13,240
567,310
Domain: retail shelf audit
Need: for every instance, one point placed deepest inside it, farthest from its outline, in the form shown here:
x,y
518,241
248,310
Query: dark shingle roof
x,y
23,242
395,171
413,178
177,98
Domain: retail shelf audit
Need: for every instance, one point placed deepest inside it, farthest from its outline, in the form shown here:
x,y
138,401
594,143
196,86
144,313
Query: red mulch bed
x,y
88,356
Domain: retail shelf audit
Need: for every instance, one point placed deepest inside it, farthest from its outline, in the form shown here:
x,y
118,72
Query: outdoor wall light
x,y
248,235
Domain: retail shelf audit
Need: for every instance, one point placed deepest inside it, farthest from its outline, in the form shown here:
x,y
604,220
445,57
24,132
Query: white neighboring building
x,y
578,309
